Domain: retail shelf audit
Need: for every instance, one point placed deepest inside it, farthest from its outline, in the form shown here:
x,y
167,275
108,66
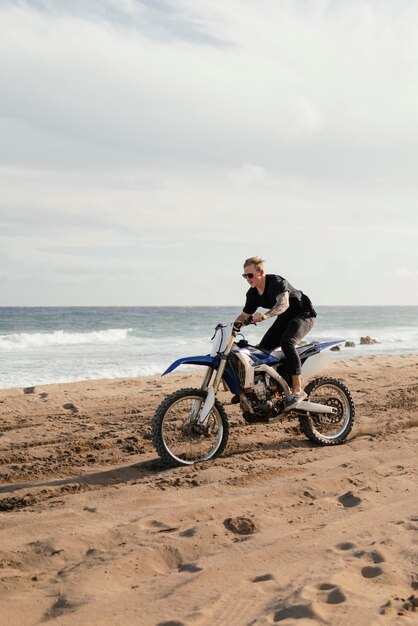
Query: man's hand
x,y
240,321
258,317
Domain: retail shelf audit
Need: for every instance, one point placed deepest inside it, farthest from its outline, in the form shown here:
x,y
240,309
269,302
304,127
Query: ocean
x,y
42,345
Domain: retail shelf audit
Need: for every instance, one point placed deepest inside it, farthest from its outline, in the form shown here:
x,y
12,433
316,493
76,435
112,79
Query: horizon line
x,y
171,306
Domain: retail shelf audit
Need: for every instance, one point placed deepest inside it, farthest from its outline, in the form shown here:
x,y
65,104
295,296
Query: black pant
x,y
287,334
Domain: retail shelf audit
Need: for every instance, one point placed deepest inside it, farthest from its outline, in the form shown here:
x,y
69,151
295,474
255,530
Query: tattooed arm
x,y
242,317
282,304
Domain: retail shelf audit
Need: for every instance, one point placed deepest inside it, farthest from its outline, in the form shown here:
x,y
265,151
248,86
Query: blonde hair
x,y
257,261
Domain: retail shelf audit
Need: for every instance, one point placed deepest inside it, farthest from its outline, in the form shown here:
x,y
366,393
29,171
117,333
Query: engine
x,y
266,399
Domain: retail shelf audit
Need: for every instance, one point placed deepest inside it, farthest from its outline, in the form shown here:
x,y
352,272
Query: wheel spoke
x,y
330,425
182,435
329,428
177,434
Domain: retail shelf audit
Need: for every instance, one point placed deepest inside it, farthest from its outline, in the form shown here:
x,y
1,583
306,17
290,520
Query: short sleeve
x,y
275,286
251,304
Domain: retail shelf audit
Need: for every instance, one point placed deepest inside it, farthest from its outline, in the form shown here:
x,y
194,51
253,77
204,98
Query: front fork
x,y
211,387
205,385
212,390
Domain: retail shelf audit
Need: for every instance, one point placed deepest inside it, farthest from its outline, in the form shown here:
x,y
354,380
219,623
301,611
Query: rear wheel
x,y
327,429
177,436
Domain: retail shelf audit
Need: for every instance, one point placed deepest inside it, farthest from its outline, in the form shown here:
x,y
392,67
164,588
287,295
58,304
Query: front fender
x,y
207,361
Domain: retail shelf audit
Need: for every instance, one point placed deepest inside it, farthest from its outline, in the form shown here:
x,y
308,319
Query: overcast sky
x,y
147,147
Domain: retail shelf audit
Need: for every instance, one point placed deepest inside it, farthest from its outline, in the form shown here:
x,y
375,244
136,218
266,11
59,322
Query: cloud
x,y
247,174
296,89
127,125
155,19
404,272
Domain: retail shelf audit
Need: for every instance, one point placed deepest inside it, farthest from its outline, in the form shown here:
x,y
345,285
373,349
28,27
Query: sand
x,y
93,530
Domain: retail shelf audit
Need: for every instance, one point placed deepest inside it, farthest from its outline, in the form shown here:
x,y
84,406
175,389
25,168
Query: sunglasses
x,y
249,275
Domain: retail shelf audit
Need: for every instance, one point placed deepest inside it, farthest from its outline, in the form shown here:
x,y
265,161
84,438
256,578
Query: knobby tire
x,y
168,457
310,425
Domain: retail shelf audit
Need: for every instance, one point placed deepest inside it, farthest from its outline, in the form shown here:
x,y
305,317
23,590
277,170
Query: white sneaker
x,y
293,400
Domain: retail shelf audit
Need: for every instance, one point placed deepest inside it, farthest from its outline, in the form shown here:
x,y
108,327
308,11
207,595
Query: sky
x,y
148,147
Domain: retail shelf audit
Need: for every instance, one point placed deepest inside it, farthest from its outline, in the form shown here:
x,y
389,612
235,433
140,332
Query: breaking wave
x,y
25,341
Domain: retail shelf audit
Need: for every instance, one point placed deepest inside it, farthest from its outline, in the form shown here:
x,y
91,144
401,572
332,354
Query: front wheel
x,y
329,429
177,436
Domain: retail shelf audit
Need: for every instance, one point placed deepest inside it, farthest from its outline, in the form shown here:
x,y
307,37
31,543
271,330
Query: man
x,y
294,315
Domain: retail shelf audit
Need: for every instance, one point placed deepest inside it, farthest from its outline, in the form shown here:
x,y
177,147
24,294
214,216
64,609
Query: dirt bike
x,y
191,425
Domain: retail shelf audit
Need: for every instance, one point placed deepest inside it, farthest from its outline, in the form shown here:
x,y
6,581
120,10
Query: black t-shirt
x,y
299,303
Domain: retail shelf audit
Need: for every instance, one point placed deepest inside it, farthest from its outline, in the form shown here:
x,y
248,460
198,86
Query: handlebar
x,y
247,322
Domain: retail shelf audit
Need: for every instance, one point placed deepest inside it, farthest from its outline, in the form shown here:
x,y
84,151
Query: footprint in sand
x,y
157,526
299,611
400,605
92,552
334,595
70,407
412,524
346,545
371,572
44,548
190,532
60,607
349,500
189,567
263,578
377,557
374,555
326,586
368,571
240,525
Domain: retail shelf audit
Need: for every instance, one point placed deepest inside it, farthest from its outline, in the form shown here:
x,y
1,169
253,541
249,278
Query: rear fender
x,y
316,358
329,344
207,361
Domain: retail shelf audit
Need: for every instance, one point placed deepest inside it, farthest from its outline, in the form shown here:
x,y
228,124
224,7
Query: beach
x,y
94,531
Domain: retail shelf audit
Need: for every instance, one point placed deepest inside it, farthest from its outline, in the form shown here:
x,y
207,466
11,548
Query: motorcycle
x,y
191,425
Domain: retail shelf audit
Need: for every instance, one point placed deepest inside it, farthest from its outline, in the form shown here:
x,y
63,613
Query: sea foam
x,y
24,341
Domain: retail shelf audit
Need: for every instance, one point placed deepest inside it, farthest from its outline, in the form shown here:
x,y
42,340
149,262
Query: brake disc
x,y
328,418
